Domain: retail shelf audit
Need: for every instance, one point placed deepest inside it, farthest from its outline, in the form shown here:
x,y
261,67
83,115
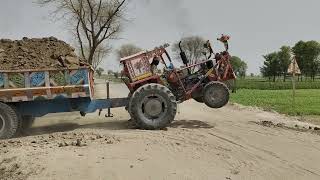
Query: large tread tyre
x,y
9,121
216,94
153,106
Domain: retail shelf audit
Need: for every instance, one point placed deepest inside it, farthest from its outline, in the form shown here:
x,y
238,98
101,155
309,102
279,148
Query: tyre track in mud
x,y
250,148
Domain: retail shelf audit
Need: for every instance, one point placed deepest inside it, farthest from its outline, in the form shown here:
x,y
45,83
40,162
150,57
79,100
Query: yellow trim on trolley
x,y
142,76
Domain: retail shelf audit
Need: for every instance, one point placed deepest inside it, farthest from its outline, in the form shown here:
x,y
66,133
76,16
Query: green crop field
x,y
277,96
307,100
264,84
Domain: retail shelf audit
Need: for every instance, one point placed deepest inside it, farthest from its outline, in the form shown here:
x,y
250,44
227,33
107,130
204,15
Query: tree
x,y
271,67
128,50
116,75
193,47
284,56
99,55
317,65
110,72
307,54
99,71
240,67
94,22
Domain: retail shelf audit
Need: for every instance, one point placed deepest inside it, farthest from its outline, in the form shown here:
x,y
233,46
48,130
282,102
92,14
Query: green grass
x,y
307,100
263,84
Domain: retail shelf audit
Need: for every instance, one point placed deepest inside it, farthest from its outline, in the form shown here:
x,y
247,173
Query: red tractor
x,y
154,95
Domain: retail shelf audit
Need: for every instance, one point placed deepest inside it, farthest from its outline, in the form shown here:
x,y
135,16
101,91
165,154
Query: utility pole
x,y
294,86
294,69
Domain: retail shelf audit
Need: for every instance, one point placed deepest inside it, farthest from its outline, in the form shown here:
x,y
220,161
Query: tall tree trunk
x,y
91,54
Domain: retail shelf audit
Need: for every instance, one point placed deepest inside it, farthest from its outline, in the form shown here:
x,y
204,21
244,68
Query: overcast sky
x,y
256,27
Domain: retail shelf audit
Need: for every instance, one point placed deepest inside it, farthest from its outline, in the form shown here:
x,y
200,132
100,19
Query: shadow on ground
x,y
110,125
66,127
191,124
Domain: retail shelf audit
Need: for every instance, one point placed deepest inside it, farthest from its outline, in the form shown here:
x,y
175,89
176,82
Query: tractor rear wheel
x,y
152,106
8,121
216,95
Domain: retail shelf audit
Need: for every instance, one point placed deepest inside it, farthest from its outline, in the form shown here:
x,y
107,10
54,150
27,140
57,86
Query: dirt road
x,y
229,143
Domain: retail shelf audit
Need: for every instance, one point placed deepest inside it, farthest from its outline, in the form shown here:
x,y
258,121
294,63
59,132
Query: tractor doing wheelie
x,y
26,94
154,95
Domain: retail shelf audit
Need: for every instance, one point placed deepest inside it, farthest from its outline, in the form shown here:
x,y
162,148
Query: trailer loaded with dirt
x,y
43,76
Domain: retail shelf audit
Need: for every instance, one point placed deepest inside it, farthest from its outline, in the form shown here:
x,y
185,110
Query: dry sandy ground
x,y
229,143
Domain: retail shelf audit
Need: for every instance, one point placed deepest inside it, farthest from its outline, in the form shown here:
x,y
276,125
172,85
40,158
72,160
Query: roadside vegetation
x,y
277,96
114,77
273,91
279,84
307,55
307,100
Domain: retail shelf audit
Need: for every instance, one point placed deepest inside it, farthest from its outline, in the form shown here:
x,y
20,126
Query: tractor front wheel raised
x,y
153,106
216,95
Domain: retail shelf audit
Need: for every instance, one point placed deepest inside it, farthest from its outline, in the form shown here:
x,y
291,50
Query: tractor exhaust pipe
x,y
184,57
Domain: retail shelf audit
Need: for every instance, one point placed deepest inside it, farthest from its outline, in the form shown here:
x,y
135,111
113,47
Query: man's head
x,y
155,61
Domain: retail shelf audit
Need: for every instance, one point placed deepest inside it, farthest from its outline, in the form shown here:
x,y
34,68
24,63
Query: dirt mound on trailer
x,y
37,53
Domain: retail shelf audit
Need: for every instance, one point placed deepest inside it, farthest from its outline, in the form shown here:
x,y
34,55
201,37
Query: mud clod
x,y
267,123
295,127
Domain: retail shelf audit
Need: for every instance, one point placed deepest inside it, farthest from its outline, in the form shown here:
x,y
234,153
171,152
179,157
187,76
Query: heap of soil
x,y
37,53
